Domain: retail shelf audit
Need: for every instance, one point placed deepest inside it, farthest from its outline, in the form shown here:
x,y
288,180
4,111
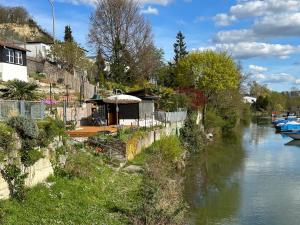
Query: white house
x,y
13,63
37,50
250,100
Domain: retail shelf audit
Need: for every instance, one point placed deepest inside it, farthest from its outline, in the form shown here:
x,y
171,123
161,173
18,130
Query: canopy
x,y
122,99
95,99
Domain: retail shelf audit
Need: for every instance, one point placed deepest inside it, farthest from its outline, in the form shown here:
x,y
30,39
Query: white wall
x,y
37,50
12,71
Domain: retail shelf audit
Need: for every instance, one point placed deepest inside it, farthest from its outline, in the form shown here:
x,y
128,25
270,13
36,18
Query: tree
x,y
68,34
20,90
69,55
179,47
122,35
209,71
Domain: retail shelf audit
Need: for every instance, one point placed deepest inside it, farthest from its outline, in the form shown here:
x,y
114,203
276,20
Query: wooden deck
x,y
88,131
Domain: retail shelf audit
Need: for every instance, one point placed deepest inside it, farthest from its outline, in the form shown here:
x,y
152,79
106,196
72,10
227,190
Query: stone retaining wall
x,y
135,145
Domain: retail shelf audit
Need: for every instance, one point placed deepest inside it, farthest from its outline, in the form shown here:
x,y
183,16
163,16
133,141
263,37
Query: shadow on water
x,y
212,180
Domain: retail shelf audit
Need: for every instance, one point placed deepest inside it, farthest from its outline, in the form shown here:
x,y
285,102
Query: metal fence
x,y
171,117
28,109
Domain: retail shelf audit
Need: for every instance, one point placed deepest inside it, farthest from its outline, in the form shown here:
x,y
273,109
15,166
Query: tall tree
x,y
179,47
68,34
118,29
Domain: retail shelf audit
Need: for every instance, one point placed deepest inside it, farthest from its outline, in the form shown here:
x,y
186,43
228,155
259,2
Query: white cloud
x,y
257,69
246,50
233,36
93,2
223,19
150,10
275,78
256,8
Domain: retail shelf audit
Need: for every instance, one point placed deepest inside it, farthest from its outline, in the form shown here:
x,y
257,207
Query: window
x,y
19,59
10,56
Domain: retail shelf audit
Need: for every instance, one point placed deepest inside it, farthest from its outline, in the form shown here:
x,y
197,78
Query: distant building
x,y
248,99
38,50
13,64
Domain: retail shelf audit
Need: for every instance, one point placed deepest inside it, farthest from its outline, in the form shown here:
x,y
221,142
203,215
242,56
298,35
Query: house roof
x,y
12,45
145,94
39,42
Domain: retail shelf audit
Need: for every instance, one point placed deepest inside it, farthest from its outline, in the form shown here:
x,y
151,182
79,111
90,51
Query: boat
x,y
285,120
289,126
294,135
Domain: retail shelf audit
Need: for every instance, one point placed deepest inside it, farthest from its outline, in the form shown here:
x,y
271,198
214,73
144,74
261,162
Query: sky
x,y
262,35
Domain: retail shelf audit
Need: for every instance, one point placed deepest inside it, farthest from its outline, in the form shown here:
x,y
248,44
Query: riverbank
x,y
88,191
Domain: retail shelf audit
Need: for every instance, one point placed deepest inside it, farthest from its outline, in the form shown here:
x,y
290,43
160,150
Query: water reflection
x,y
252,178
212,180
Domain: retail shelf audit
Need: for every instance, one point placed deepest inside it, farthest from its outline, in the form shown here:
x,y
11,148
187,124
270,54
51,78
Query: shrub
x,y
16,181
50,128
212,120
28,158
191,134
26,128
6,137
169,147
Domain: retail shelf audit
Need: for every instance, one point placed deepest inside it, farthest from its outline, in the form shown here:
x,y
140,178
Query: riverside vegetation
x,y
88,191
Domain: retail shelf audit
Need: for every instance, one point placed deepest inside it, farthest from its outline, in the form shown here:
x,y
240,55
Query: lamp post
x,y
53,19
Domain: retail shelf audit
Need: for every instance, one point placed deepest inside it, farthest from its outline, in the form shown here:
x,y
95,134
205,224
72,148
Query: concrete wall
x,y
37,173
12,71
135,145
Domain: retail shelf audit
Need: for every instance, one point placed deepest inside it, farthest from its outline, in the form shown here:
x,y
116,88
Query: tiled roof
x,y
12,45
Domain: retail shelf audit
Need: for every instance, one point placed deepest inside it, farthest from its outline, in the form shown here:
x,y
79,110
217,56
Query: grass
x,y
103,196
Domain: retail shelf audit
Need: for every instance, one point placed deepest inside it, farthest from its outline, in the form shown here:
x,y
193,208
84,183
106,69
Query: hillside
x,y
17,25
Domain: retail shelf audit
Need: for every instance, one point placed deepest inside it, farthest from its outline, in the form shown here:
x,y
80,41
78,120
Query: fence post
x,y
22,108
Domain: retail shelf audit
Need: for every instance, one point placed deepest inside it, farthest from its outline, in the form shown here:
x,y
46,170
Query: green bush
x,y
169,147
50,128
6,137
26,128
191,134
29,157
212,120
16,181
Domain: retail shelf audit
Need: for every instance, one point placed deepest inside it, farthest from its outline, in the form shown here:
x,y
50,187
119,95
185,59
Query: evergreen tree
x,y
68,34
179,47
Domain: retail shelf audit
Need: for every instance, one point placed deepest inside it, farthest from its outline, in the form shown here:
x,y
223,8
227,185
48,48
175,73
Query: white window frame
x,y
19,57
10,57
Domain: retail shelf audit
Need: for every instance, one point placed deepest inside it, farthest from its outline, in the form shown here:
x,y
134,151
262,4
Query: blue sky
x,y
264,35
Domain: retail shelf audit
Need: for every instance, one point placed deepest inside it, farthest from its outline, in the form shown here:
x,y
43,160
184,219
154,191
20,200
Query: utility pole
x,y
53,35
53,20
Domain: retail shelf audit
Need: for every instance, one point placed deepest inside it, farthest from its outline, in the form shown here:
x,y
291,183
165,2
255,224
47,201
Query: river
x,y
252,178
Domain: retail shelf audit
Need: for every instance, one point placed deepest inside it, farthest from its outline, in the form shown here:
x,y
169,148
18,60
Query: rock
x,y
209,136
133,169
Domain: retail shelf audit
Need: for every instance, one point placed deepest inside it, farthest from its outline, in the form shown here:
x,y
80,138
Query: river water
x,y
252,178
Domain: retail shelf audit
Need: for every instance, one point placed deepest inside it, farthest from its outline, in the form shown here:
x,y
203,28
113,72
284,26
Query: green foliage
x,y
179,47
104,195
261,103
30,156
6,138
209,71
16,181
70,55
212,120
20,90
191,134
68,34
25,127
50,128
169,148
161,189
28,131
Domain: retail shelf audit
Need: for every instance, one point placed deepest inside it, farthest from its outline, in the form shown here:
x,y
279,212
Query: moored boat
x,y
294,135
